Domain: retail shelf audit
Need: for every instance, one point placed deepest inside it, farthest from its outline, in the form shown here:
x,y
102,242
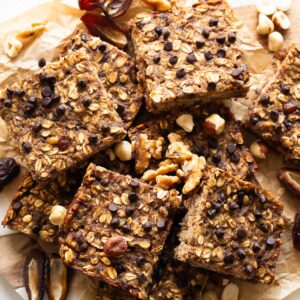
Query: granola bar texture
x,y
115,229
231,227
188,55
226,151
275,115
60,116
115,69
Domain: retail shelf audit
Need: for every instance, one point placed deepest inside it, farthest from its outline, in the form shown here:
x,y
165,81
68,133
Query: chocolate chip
x,y
29,109
284,89
231,148
254,120
141,278
115,222
211,85
9,92
249,270
64,143
181,73
265,100
47,102
212,142
278,129
19,93
42,62
233,206
84,38
104,58
173,60
126,228
228,258
221,39
105,129
16,206
129,210
37,127
216,158
50,80
255,247
86,101
161,224
61,109
133,197
83,247
257,214
231,37
270,242
260,196
119,268
35,229
147,226
93,139
166,34
113,207
216,205
241,234
120,109
274,115
7,103
81,84
140,261
56,98
213,22
264,227
102,48
134,184
159,30
221,53
241,253
220,233
208,55
104,181
156,59
46,91
200,44
205,33
211,212
168,46
237,72
235,158
191,58
26,147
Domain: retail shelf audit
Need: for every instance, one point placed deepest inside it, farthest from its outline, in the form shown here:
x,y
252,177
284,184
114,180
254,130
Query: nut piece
x,y
57,215
115,246
35,271
161,5
275,41
290,180
123,151
266,7
214,125
283,5
230,292
12,47
259,149
186,122
281,20
57,286
209,295
265,25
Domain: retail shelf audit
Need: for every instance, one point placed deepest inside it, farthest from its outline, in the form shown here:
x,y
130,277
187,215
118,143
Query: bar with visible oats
x,y
60,116
189,55
275,115
115,69
115,229
231,227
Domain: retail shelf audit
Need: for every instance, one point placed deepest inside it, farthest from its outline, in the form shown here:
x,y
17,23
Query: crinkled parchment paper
x,y
61,18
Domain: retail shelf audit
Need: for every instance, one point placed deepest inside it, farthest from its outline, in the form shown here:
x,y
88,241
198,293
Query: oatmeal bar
x,y
188,55
231,227
116,71
226,150
115,229
31,208
60,116
275,115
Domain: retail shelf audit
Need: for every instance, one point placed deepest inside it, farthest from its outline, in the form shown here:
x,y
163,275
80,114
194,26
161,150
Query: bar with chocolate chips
x,y
275,114
189,55
60,116
231,227
115,229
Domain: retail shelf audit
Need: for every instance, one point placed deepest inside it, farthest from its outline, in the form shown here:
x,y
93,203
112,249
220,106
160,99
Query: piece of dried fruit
x,y
89,4
35,274
115,8
290,180
296,231
9,169
57,287
105,28
115,246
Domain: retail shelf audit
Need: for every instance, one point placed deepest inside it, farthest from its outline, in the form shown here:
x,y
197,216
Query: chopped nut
x,y
283,5
275,41
266,7
57,214
31,31
209,295
186,122
259,149
290,180
12,47
214,125
166,182
123,151
265,25
115,246
281,20
162,170
230,292
161,5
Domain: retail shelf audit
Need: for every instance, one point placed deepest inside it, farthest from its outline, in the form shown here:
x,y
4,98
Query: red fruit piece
x,y
88,4
105,28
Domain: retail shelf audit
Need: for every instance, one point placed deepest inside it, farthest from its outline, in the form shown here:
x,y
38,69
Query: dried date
x,y
9,169
89,4
296,231
290,180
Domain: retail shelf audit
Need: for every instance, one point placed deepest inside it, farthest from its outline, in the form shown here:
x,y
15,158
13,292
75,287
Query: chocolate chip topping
x,y
168,46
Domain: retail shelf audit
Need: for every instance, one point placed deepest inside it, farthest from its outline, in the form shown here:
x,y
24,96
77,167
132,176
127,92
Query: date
x,y
9,169
296,231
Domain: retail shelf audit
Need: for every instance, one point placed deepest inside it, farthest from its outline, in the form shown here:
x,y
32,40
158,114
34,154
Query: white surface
x,y
9,9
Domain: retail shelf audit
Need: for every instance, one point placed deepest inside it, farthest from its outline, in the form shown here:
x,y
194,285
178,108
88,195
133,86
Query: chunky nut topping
x,y
57,214
115,246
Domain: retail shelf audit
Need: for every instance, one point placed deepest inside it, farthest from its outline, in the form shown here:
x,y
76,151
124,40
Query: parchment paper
x,y
61,19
